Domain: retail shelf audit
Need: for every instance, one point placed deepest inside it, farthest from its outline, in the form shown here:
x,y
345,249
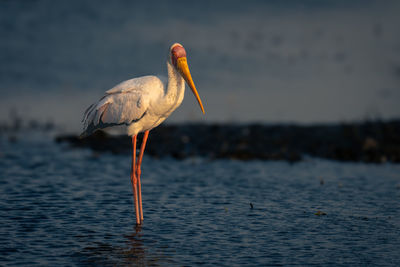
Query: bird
x,y
140,104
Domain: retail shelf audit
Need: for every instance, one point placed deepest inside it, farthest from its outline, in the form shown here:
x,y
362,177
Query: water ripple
x,y
69,207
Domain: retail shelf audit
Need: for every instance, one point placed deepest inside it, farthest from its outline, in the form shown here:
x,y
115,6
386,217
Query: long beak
x,y
184,70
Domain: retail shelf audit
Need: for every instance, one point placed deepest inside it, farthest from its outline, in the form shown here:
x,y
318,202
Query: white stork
x,y
141,104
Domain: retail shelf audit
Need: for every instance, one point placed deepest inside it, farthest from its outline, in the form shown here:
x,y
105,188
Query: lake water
x,y
62,207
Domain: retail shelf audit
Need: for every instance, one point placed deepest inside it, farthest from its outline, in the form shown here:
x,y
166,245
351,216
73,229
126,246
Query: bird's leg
x,y
134,179
138,170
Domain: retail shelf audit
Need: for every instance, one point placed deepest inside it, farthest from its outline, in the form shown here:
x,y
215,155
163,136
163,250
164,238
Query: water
x,y
63,206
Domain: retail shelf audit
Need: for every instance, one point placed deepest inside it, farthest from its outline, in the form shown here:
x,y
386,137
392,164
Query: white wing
x,y
123,104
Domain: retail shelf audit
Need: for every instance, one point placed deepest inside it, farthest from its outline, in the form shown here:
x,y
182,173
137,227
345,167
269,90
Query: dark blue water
x,y
65,207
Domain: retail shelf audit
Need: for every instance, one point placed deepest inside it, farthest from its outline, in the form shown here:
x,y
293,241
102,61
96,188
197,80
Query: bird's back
x,y
144,83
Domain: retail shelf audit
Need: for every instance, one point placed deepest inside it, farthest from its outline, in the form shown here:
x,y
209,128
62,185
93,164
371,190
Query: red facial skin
x,y
177,52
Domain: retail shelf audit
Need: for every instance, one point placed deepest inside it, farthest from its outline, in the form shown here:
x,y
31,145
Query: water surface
x,y
63,206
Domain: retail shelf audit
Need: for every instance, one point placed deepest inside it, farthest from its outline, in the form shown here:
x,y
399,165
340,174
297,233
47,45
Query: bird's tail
x,y
83,135
87,121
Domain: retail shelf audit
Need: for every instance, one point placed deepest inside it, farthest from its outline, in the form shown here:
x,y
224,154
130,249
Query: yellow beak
x,y
184,70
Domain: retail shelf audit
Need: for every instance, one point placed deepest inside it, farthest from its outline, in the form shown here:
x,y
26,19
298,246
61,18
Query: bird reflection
x,y
134,251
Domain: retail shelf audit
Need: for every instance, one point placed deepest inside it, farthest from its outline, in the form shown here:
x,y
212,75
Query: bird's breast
x,y
146,123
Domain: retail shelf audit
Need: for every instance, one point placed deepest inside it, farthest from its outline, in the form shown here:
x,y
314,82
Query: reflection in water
x,y
132,253
135,253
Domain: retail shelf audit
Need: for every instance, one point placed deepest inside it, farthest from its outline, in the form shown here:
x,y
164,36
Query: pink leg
x,y
138,170
134,179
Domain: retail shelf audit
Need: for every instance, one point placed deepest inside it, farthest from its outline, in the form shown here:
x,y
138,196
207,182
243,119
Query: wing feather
x,y
124,108
123,104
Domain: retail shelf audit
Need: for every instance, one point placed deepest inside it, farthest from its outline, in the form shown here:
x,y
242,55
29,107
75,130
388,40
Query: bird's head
x,y
179,61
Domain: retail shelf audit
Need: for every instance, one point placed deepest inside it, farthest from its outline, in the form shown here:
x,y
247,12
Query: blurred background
x,y
297,93
252,61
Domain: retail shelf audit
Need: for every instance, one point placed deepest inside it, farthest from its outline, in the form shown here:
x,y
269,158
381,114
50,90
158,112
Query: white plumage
x,y
139,105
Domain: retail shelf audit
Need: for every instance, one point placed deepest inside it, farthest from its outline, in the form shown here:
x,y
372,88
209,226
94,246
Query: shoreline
x,y
370,142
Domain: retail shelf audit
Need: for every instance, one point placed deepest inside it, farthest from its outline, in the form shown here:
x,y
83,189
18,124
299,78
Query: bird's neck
x,y
175,88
